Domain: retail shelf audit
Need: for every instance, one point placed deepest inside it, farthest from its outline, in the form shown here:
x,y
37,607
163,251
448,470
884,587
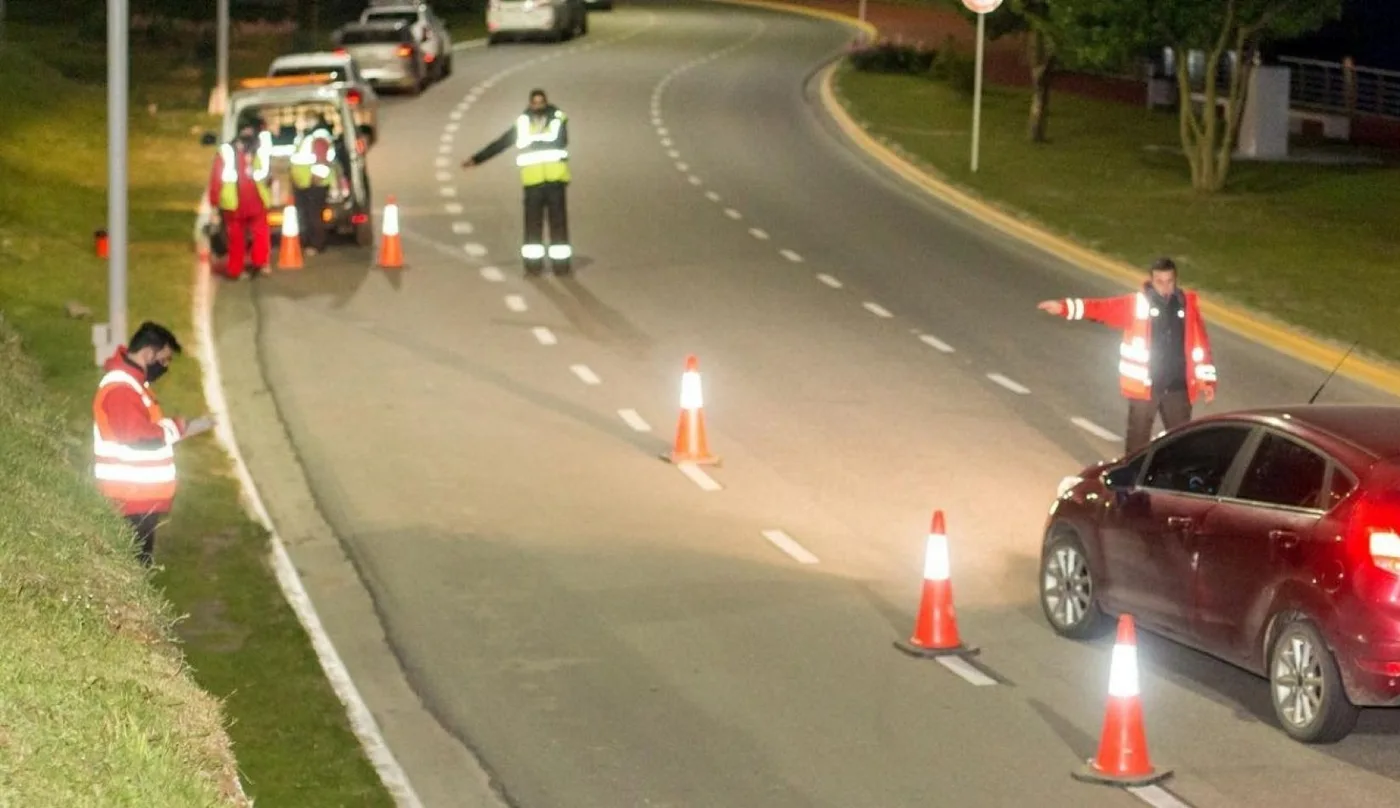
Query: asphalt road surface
x,y
605,630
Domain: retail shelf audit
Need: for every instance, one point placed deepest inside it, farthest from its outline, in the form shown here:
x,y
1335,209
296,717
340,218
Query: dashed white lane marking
x,y
585,374
455,115
441,162
877,310
1157,797
493,274
655,120
474,250
967,671
712,196
1009,384
453,208
693,180
545,336
733,214
462,228
515,303
829,281
665,141
662,131
634,419
784,542
446,137
1094,429
682,166
451,127
698,476
929,339
443,176
673,154
758,234
445,148
447,190
791,256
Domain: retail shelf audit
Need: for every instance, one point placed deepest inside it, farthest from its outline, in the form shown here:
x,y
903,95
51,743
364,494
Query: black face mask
x,y
155,370
250,142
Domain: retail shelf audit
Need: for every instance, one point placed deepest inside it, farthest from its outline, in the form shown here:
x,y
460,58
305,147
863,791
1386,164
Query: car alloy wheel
x,y
1067,589
1306,686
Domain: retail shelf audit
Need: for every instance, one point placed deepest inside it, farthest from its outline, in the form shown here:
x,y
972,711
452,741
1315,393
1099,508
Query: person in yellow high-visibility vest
x,y
314,171
541,138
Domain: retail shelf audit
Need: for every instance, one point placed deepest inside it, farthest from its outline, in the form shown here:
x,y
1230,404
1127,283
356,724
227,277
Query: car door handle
x,y
1286,538
1179,522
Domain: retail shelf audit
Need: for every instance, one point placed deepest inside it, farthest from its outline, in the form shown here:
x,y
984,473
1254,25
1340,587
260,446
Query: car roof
x,y
382,25
311,58
1371,428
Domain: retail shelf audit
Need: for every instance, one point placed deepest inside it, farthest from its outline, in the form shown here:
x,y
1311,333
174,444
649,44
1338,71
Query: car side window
x,y
1284,472
1196,462
1338,488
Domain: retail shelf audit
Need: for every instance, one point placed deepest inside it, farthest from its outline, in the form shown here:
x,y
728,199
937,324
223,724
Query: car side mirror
x,y
208,139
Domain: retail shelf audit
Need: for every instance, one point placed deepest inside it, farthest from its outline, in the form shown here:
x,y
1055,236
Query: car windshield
x,y
336,70
286,121
391,16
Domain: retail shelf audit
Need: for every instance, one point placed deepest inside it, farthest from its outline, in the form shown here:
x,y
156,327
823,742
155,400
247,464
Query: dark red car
x,y
1269,538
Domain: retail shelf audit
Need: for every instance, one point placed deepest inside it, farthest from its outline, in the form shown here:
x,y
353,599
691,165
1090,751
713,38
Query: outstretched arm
x,y
1115,312
492,149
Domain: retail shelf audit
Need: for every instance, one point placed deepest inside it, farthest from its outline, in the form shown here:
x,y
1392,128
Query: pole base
x,y
920,652
1089,773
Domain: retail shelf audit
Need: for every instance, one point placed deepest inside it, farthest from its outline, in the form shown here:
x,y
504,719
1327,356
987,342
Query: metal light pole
x,y
982,8
861,13
107,336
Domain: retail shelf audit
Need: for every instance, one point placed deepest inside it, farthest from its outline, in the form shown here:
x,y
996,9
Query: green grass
x,y
81,712
465,25
1308,244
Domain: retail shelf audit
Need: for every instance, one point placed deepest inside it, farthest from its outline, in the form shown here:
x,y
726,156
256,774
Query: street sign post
x,y
108,335
981,8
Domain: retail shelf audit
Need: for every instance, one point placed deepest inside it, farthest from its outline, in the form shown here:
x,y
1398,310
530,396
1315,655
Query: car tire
x,y
1067,590
583,24
1299,652
447,66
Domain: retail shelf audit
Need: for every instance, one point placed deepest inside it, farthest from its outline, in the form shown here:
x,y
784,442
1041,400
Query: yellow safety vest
x,y
540,157
305,169
228,189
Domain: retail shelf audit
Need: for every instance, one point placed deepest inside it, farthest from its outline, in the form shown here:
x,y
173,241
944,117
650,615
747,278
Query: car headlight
x,y
1066,485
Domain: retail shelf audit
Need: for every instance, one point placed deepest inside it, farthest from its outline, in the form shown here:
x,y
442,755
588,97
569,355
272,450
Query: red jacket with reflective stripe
x,y
133,440
249,200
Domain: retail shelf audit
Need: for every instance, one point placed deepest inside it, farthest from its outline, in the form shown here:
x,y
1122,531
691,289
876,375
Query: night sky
x,y
1369,32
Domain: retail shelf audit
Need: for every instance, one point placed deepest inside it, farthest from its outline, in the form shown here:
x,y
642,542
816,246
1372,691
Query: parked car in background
x,y
387,53
1269,538
344,72
558,20
429,31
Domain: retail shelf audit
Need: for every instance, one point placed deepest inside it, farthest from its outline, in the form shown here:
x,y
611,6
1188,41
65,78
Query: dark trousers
x,y
310,203
145,526
546,199
1175,407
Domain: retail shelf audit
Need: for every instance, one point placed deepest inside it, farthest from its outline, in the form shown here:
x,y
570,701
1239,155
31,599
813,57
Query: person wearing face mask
x,y
1165,362
541,138
133,439
238,189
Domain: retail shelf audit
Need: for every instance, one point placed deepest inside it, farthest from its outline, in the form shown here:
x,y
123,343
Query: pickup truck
x,y
287,107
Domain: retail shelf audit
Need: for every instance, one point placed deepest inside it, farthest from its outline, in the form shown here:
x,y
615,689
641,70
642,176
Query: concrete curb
x,y
361,720
1254,326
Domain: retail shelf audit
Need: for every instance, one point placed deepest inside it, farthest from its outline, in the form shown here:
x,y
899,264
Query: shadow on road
x,y
594,319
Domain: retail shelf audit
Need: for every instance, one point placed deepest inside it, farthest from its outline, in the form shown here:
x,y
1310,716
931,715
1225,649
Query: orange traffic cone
x,y
390,248
289,256
691,445
936,628
1122,759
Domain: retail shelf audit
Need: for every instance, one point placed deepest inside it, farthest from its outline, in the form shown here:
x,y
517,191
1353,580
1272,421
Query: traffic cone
x,y
936,627
289,255
691,445
1122,759
390,248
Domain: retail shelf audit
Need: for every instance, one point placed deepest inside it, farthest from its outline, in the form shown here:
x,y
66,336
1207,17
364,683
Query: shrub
x,y
893,57
957,69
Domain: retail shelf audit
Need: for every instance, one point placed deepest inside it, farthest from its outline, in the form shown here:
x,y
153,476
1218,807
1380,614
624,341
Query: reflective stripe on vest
x,y
305,166
228,189
539,159
129,473
1135,351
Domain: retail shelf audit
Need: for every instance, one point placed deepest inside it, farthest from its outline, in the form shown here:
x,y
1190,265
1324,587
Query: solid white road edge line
x,y
788,545
935,342
515,303
362,722
1009,384
698,476
545,336
634,419
585,374
1094,429
829,281
1157,797
877,310
966,670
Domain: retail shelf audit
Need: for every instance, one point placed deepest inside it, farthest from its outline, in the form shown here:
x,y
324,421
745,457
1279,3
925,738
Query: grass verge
x,y
240,638
1309,244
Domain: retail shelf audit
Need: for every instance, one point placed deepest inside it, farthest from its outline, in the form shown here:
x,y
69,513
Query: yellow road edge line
x,y
1253,326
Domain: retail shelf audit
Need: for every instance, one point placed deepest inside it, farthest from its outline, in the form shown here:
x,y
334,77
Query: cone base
x,y
677,459
922,652
1089,773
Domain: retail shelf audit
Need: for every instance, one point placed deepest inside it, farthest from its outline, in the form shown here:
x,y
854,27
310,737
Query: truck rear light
x,y
1385,550
354,97
359,218
428,57
405,51
340,52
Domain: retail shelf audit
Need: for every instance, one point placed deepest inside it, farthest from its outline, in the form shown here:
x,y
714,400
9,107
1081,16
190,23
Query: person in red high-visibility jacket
x,y
133,440
1164,360
238,189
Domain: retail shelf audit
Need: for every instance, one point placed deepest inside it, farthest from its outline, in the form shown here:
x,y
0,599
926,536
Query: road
x,y
605,630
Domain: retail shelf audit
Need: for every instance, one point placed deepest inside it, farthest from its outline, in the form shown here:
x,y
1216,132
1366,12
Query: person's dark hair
x,y
1164,265
537,92
153,335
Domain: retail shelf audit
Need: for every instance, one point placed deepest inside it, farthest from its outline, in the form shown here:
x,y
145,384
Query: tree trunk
x,y
1042,66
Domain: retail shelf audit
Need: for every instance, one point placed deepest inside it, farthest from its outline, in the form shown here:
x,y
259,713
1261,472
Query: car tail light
x,y
428,57
354,97
1385,549
340,52
405,51
359,218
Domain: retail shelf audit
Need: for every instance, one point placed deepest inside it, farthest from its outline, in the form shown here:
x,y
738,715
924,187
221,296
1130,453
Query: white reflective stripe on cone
x,y
1123,675
391,220
290,226
936,563
691,397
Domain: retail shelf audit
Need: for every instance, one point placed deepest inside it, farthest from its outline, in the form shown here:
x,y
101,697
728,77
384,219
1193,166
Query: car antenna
x,y
1334,372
